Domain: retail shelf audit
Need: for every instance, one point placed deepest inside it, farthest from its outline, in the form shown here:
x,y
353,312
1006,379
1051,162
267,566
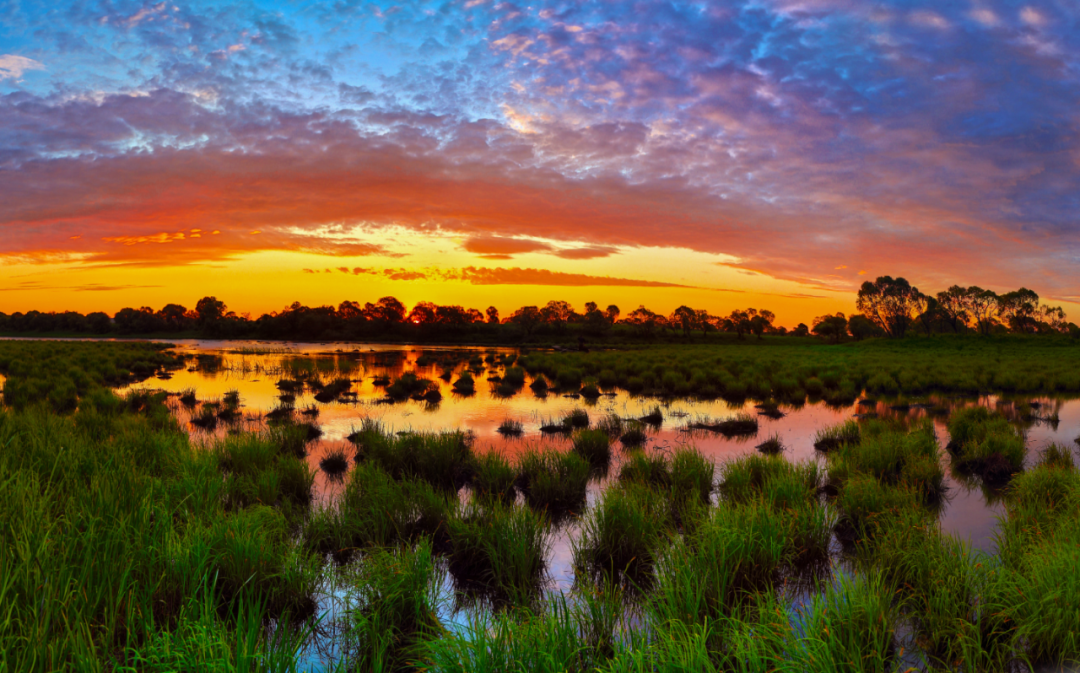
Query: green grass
x,y
122,546
393,614
553,481
834,437
984,444
497,552
594,446
493,476
621,538
442,459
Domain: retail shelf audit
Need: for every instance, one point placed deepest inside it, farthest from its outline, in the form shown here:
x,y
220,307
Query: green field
x,y
792,370
123,546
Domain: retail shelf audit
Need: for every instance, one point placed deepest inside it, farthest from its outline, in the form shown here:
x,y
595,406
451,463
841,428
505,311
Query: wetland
x,y
334,506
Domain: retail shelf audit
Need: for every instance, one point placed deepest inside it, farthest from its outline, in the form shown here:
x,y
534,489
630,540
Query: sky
x,y
768,153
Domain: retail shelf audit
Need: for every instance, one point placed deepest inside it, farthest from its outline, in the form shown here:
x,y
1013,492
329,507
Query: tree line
x,y
389,317
893,307
888,307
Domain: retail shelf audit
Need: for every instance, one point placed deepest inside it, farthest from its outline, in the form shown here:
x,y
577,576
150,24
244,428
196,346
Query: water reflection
x,y
334,387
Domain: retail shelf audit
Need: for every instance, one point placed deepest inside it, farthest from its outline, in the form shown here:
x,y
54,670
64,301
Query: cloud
x,y
498,245
517,276
589,252
12,66
792,135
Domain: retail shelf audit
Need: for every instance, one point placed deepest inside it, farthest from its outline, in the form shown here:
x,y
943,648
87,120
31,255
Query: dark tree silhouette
x,y
831,326
890,303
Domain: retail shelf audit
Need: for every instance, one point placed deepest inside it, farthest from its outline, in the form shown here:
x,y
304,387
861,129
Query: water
x,y
254,368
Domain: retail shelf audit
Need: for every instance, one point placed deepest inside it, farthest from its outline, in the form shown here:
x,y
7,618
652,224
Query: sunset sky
x,y
773,153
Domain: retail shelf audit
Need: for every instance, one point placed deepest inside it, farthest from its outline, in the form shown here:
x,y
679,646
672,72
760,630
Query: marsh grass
x,y
168,574
394,615
655,417
187,397
984,444
622,535
441,459
1056,455
833,437
335,463
736,426
771,446
634,436
511,428
206,418
553,481
575,419
497,552
493,476
594,446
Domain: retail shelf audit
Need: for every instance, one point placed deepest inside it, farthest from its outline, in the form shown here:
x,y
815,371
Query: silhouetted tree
x,y
684,318
760,321
99,323
981,306
860,327
386,312
831,326
800,330
644,320
890,303
953,306
492,315
527,318
557,314
1018,310
210,311
422,314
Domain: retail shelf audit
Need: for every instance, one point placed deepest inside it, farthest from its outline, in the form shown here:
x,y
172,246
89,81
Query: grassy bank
x,y
125,548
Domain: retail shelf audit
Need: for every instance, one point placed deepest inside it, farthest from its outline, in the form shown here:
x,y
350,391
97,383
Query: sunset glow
x,y
721,155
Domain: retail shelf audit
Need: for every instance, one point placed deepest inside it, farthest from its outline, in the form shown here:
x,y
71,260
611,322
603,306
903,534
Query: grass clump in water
x,y
553,481
493,476
441,459
736,426
511,428
576,419
771,446
335,463
497,552
394,614
465,385
986,445
634,436
622,536
832,438
594,446
654,418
